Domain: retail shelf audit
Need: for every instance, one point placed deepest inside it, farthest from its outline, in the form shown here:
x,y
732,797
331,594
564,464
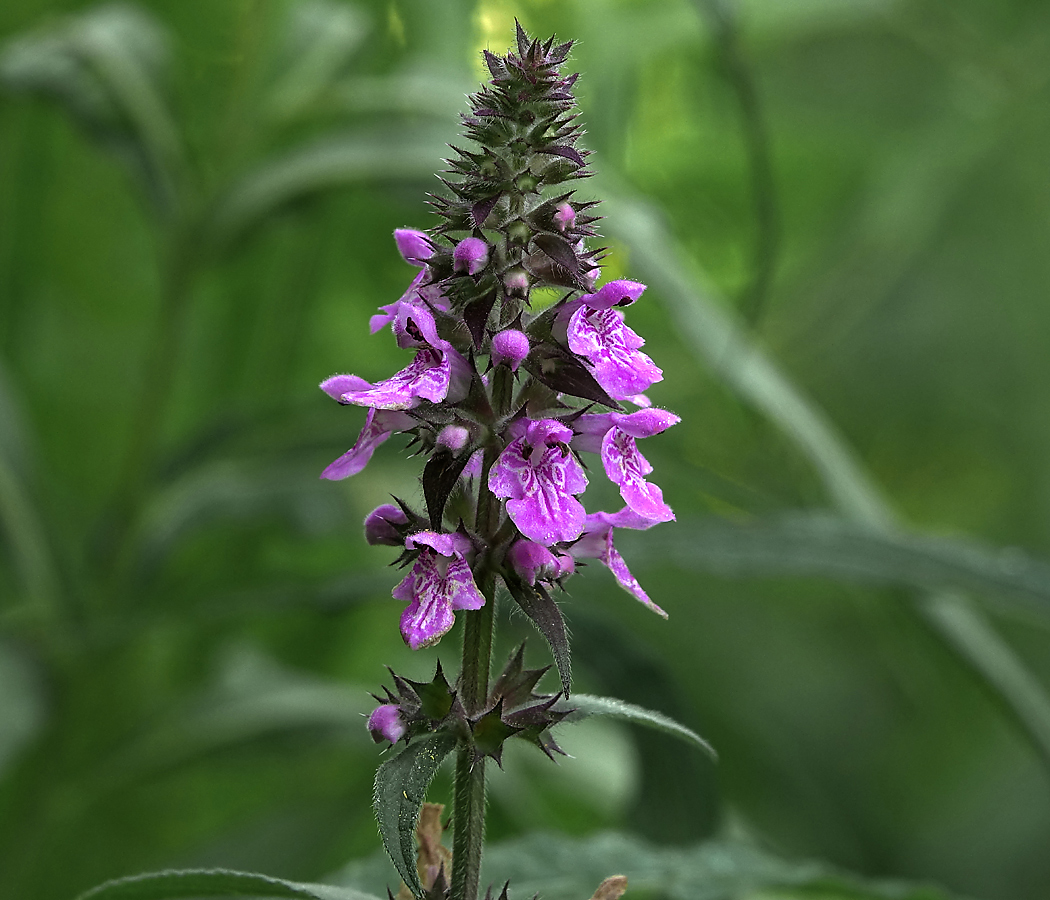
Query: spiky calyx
x,y
523,123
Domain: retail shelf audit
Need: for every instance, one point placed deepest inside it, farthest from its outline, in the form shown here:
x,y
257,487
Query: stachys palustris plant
x,y
502,398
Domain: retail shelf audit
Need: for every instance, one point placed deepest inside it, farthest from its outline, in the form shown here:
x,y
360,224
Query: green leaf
x,y
108,67
586,705
560,868
830,546
215,883
329,163
401,786
21,702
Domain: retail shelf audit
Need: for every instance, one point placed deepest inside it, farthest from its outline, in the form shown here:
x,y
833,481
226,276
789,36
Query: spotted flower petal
x,y
597,543
379,425
426,378
540,475
600,336
439,583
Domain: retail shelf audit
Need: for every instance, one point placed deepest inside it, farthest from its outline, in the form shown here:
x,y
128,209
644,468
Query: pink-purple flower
x,y
611,348
439,583
614,436
539,477
470,256
510,347
597,543
385,525
379,425
534,562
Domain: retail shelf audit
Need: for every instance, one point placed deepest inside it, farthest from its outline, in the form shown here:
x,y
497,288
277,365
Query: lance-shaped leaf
x,y
480,210
169,885
565,153
544,613
582,706
440,475
401,786
561,371
476,315
559,250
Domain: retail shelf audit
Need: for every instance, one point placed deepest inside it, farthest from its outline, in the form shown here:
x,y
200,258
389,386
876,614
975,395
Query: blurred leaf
x,y
586,705
818,544
254,696
558,867
321,38
21,524
215,883
321,166
401,787
108,66
21,703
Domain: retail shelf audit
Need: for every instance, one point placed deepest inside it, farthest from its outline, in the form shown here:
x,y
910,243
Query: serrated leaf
x,y
401,786
559,250
544,613
583,706
561,371
440,475
172,884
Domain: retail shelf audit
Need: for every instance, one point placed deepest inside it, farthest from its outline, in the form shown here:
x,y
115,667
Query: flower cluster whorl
x,y
501,394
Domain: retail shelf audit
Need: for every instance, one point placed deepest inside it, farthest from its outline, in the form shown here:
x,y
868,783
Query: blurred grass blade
x,y
833,547
108,66
713,334
401,787
586,705
188,883
717,339
21,526
321,39
22,710
320,166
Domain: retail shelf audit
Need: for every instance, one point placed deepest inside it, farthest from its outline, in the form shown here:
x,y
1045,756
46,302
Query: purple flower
x,y
534,562
613,435
414,245
385,525
471,255
419,293
616,293
597,543
564,217
440,582
611,348
379,425
539,474
386,724
516,283
511,347
435,374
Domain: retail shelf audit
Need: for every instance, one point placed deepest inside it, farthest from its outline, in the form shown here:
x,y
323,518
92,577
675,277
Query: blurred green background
x,y
842,208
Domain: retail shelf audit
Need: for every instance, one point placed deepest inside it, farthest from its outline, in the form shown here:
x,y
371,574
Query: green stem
x,y
468,805
469,798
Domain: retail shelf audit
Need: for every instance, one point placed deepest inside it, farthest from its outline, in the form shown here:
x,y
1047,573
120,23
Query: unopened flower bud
x,y
383,525
565,216
453,437
516,283
532,561
510,347
413,245
386,724
471,255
